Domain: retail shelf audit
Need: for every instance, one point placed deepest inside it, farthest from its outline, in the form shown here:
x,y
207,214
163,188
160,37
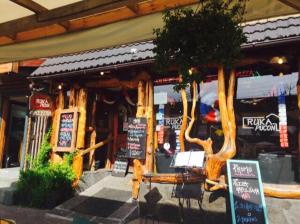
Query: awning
x,y
134,29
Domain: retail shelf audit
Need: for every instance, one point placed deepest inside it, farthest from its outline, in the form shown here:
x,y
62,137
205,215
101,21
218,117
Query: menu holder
x,y
67,128
246,193
190,159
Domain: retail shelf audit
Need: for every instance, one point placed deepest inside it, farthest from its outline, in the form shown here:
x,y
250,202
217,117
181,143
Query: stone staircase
x,y
8,179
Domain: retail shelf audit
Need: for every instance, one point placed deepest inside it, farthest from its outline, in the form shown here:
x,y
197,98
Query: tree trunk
x,y
206,144
216,162
184,119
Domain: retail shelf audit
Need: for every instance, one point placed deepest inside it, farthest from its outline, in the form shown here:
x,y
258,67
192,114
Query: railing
x,y
96,146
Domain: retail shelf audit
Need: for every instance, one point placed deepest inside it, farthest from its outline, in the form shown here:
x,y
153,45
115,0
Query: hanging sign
x,y
246,193
66,133
136,138
40,105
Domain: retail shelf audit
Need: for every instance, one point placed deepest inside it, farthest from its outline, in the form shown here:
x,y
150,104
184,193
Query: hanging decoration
x,y
209,107
283,132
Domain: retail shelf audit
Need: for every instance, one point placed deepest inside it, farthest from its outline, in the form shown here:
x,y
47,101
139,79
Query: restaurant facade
x,y
94,96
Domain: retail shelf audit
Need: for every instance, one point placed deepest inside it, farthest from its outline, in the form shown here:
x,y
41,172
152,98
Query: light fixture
x,y
60,86
278,60
101,73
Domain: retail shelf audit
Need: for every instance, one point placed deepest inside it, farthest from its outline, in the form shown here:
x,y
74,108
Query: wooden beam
x,y
30,5
61,14
133,6
4,116
37,9
295,4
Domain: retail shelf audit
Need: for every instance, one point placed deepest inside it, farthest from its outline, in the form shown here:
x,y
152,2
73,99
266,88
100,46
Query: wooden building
x,y
95,93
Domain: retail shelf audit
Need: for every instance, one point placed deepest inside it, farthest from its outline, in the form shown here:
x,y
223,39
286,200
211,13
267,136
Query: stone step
x,y
8,180
107,201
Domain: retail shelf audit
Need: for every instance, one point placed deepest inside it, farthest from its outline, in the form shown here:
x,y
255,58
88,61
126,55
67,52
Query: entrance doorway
x,y
15,132
114,106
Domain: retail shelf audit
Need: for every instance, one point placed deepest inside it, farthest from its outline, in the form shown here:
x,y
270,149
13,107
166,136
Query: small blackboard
x,y
136,138
66,133
120,168
246,193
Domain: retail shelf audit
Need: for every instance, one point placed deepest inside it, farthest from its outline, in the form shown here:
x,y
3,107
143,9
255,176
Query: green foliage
x,y
198,38
46,184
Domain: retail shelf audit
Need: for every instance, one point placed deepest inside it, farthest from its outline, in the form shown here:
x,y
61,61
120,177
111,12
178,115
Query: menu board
x,y
120,168
246,194
66,134
136,138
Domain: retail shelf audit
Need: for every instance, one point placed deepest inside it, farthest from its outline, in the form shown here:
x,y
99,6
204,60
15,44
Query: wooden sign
x,y
66,134
120,168
246,193
136,138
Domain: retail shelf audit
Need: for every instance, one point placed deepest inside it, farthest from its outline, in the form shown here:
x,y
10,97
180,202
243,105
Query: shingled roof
x,y
258,33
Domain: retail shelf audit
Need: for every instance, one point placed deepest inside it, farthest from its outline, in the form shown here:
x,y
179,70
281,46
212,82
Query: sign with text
x,y
40,105
246,193
267,123
136,138
120,168
66,134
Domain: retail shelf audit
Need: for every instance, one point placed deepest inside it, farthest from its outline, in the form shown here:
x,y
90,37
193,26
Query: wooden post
x,y
4,117
59,105
137,165
27,141
82,102
72,98
115,136
150,134
141,98
108,164
93,136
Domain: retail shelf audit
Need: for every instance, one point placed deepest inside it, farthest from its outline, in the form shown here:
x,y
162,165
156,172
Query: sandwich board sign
x,y
247,200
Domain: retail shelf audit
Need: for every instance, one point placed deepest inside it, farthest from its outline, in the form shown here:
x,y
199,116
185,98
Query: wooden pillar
x,y
150,133
115,136
4,117
72,98
59,105
93,136
137,165
108,164
82,102
141,99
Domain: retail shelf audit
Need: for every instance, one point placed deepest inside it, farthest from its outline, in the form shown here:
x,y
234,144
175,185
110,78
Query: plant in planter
x,y
45,184
197,41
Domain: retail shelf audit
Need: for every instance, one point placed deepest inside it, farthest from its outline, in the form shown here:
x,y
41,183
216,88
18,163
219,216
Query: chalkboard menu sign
x,y
120,168
66,133
136,138
246,192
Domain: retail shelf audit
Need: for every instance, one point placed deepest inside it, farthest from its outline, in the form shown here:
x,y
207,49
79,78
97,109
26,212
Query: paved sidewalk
x,y
27,215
